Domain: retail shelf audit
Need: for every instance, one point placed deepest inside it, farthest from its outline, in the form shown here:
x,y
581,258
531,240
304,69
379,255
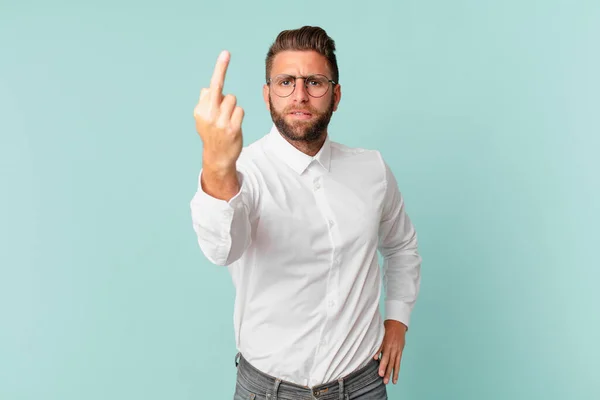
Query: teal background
x,y
487,112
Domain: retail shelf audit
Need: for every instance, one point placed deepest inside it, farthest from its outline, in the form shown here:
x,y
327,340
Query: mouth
x,y
300,114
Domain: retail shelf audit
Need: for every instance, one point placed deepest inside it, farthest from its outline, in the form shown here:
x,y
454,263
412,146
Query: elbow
x,y
216,254
225,251
223,260
408,246
223,243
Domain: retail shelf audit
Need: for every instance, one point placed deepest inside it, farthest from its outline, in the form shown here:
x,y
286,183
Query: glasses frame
x,y
305,78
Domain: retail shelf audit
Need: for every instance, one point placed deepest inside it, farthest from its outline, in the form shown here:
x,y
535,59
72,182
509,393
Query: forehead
x,y
300,63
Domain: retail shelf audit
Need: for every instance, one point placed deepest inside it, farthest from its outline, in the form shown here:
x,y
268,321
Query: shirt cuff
x,y
398,310
218,204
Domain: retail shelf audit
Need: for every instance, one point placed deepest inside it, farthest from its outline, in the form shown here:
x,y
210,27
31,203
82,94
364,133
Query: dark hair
x,y
305,38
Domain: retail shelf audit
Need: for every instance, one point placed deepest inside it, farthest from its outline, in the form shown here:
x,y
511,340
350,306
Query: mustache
x,y
304,109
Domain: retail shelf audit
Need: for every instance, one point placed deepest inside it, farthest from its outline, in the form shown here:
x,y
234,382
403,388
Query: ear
x,y
266,96
337,96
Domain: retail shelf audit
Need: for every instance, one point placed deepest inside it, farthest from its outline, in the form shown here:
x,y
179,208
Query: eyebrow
x,y
302,76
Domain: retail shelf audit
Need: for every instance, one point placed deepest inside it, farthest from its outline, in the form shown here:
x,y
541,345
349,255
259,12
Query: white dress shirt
x,y
300,240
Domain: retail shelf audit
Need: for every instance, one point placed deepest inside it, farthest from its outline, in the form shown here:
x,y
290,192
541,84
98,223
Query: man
x,y
298,220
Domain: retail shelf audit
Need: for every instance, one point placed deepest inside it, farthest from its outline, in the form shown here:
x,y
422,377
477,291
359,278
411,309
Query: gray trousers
x,y
362,384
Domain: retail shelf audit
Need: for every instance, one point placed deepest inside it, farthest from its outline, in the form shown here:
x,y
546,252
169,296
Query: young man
x,y
298,220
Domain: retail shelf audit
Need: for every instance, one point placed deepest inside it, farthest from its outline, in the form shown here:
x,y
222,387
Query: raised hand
x,y
219,124
219,121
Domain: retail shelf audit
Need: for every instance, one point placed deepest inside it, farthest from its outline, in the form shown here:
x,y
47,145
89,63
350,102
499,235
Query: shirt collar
x,y
293,157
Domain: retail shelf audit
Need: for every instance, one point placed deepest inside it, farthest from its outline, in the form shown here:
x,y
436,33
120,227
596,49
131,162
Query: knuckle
x,y
198,116
200,109
230,99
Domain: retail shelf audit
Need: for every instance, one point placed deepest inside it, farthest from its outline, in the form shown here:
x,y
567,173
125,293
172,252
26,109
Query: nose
x,y
300,92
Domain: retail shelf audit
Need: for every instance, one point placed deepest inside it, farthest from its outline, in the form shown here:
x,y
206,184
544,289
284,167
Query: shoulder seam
x,y
385,180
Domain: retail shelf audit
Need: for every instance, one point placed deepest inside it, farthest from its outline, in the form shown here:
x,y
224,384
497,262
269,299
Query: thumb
x,y
376,356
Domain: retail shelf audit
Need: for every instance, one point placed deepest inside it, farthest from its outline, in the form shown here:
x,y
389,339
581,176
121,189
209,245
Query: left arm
x,y
401,275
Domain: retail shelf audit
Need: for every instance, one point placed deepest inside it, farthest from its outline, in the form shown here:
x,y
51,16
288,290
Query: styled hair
x,y
304,39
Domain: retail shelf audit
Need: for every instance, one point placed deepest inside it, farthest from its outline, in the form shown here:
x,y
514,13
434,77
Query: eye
x,y
316,81
284,81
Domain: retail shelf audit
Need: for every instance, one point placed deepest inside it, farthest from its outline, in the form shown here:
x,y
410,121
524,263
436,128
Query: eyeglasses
x,y
284,85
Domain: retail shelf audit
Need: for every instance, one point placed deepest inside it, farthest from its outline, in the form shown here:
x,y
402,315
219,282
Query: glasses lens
x,y
317,85
283,85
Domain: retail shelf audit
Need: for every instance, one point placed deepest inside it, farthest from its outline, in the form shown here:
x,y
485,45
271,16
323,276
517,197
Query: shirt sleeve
x,y
223,228
401,259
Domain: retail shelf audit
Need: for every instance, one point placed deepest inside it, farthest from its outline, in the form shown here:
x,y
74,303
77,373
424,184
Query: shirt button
x,y
331,223
331,303
317,185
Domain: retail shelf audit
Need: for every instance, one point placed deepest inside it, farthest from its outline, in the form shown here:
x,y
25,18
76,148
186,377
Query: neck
x,y
310,148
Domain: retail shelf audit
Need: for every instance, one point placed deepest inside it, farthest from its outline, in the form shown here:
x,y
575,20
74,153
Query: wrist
x,y
219,182
218,168
396,322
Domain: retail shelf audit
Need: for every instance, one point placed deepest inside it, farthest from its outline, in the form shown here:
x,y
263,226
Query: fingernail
x,y
223,55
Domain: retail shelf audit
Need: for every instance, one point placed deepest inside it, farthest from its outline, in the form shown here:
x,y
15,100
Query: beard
x,y
305,131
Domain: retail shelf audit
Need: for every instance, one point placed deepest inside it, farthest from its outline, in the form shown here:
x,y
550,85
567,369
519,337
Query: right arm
x,y
221,206
223,226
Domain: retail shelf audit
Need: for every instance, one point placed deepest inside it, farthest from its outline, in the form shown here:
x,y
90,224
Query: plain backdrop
x,y
486,111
